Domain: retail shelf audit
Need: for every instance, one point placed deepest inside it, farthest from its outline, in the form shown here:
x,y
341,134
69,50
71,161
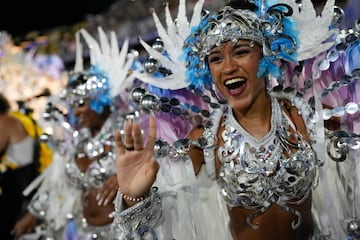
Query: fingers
x,y
119,143
106,198
108,191
132,137
128,134
25,225
138,137
110,197
151,133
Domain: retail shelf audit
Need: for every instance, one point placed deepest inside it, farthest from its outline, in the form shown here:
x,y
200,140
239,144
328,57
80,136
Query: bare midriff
x,y
94,214
275,223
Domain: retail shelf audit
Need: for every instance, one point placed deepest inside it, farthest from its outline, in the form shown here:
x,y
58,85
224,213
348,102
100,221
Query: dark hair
x,y
4,104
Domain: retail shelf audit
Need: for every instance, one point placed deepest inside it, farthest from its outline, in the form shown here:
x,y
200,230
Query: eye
x,y
214,58
240,51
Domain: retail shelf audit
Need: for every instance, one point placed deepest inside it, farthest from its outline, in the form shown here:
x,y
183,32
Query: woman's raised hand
x,y
136,164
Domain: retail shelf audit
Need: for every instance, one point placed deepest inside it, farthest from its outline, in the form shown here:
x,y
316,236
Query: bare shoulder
x,y
12,128
332,124
4,130
6,121
295,117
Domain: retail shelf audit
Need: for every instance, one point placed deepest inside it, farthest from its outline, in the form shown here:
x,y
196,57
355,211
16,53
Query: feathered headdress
x,y
163,74
109,74
282,27
168,55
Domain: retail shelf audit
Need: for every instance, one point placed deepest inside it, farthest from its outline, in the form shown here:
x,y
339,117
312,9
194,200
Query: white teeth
x,y
234,80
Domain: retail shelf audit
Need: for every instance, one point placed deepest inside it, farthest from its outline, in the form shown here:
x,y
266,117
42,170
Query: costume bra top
x,y
281,168
103,161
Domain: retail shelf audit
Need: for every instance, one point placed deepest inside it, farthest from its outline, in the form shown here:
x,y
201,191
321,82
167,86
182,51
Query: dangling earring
x,y
217,95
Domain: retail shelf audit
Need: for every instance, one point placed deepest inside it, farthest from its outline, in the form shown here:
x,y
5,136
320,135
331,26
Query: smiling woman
x,y
265,150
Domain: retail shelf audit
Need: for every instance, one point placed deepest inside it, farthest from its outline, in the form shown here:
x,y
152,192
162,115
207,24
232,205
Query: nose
x,y
229,65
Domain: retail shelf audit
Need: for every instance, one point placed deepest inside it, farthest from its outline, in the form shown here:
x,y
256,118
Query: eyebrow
x,y
242,44
236,45
214,51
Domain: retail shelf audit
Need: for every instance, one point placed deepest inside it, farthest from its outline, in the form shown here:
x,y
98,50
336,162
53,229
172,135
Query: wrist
x,y
144,213
129,198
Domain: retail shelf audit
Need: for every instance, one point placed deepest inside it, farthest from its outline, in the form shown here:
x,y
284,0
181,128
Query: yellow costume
x,y
30,126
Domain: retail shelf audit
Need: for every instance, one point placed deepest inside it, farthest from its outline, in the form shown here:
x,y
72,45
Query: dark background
x,y
20,17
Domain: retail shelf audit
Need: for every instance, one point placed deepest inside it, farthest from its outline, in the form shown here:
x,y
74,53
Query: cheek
x,y
219,86
253,62
81,111
215,71
256,67
76,111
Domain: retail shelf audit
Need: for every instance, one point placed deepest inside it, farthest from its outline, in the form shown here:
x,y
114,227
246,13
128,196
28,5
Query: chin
x,y
238,103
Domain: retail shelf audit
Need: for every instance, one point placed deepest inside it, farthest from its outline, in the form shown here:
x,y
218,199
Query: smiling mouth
x,y
234,83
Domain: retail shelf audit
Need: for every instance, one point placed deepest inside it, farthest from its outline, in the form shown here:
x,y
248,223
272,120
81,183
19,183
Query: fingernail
x,y
105,202
100,202
98,196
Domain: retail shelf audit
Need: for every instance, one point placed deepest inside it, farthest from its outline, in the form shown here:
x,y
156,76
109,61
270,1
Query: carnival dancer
x,y
266,145
75,198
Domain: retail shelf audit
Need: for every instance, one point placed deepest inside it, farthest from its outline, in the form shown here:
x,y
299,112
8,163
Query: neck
x,y
96,128
257,118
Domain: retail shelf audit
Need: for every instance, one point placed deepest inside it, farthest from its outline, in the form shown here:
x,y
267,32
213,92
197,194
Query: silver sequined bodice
x,y
103,162
256,173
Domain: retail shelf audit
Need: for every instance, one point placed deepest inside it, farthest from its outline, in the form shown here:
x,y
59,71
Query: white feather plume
x,y
79,65
173,38
313,30
106,55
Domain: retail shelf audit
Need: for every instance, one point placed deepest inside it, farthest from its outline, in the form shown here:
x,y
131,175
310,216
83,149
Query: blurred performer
x,y
23,157
75,199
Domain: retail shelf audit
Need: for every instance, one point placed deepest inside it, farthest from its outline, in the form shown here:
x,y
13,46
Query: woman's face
x,y
86,117
233,67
